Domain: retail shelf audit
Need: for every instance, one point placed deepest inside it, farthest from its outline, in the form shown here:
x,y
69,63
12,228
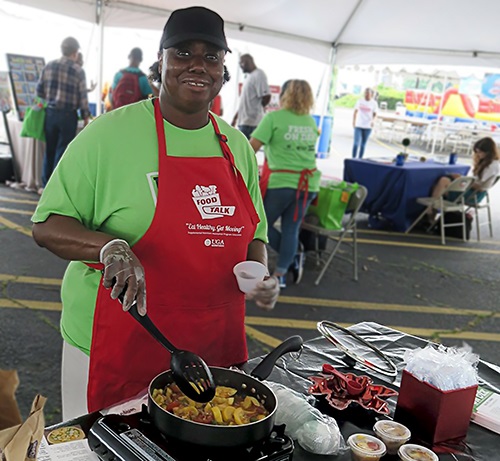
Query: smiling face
x,y
192,75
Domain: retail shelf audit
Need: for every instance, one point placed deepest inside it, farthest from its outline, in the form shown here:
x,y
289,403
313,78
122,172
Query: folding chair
x,y
349,228
484,204
460,186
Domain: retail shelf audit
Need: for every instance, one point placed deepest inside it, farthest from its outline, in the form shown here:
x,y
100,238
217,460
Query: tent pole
x,y
439,114
100,23
327,85
236,104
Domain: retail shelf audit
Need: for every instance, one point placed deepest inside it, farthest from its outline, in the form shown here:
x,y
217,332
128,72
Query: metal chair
x,y
484,204
459,186
434,131
349,229
399,130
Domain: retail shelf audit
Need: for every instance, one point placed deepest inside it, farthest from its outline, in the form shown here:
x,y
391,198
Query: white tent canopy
x,y
442,32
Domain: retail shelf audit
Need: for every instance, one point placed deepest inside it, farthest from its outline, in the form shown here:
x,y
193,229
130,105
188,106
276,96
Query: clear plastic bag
x,y
446,368
314,431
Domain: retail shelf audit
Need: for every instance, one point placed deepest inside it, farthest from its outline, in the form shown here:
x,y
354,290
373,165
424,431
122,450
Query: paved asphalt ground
x,y
412,283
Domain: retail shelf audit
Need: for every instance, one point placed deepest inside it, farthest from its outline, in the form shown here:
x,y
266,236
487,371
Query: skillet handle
x,y
264,368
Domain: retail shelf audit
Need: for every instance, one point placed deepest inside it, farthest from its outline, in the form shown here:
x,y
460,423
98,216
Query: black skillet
x,y
225,436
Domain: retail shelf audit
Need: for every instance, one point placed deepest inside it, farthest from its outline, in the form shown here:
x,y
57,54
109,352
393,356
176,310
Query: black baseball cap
x,y
194,23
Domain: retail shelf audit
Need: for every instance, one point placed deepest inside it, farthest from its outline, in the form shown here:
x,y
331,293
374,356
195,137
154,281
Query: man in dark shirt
x,y
63,86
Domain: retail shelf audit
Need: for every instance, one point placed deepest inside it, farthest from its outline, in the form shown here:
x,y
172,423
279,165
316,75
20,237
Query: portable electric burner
x,y
134,438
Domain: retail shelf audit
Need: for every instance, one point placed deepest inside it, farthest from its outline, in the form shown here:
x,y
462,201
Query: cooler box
x,y
323,149
431,414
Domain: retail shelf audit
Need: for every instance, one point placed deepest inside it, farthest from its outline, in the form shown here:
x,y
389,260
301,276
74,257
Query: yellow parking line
x,y
436,246
13,211
298,301
417,236
12,225
262,337
251,321
30,304
362,305
10,194
422,332
16,200
430,247
27,279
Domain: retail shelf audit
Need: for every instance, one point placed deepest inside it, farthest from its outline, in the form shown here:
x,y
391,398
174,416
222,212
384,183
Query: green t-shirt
x,y
106,179
290,144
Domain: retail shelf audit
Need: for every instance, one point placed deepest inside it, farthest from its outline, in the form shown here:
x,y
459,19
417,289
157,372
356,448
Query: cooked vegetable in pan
x,y
227,408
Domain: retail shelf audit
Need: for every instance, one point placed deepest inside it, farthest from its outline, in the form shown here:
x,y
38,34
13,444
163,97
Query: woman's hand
x,y
123,269
265,293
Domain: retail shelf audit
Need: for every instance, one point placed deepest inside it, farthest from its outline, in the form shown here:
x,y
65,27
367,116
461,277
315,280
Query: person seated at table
x,y
485,168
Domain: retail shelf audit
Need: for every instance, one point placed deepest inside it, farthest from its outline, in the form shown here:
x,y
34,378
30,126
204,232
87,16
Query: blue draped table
x,y
393,190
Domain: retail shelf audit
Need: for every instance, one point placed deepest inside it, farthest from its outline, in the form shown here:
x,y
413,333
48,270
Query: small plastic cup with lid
x,y
392,434
365,447
411,452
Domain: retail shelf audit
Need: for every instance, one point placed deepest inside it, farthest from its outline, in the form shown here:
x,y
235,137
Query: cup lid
x,y
392,430
366,444
411,452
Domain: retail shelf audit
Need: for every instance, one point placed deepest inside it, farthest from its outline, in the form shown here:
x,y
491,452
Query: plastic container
x,y
365,447
411,452
392,434
400,159
248,274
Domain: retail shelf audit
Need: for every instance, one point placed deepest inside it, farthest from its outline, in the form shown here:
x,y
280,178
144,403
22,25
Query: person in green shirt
x,y
289,137
163,195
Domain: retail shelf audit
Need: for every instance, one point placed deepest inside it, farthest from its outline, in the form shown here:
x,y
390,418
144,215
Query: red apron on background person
x,y
303,185
202,226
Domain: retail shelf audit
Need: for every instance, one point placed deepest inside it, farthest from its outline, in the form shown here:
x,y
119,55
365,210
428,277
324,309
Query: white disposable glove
x,y
266,293
122,269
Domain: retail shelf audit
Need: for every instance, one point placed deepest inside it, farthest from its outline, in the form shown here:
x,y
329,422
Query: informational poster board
x,y
24,72
5,93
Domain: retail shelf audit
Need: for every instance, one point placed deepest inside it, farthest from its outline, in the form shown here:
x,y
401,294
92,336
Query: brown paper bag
x,y
20,442
9,411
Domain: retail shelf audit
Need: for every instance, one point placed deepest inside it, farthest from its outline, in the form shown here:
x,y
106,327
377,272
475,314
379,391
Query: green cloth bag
x,y
34,121
333,199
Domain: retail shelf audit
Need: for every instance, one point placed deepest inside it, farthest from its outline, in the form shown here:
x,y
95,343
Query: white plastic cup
x,y
392,434
248,274
365,447
411,452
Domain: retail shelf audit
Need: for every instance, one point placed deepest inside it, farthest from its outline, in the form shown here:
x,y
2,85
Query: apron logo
x,y
217,243
207,200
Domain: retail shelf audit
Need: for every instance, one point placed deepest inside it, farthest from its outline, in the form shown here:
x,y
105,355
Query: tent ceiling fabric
x,y
459,32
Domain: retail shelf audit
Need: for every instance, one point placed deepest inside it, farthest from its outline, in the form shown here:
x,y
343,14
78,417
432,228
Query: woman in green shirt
x,y
292,179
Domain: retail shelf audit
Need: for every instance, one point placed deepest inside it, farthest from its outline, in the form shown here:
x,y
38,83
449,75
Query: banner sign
x,y
24,72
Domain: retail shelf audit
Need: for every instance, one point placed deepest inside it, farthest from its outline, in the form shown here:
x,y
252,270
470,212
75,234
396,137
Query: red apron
x,y
202,226
303,185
